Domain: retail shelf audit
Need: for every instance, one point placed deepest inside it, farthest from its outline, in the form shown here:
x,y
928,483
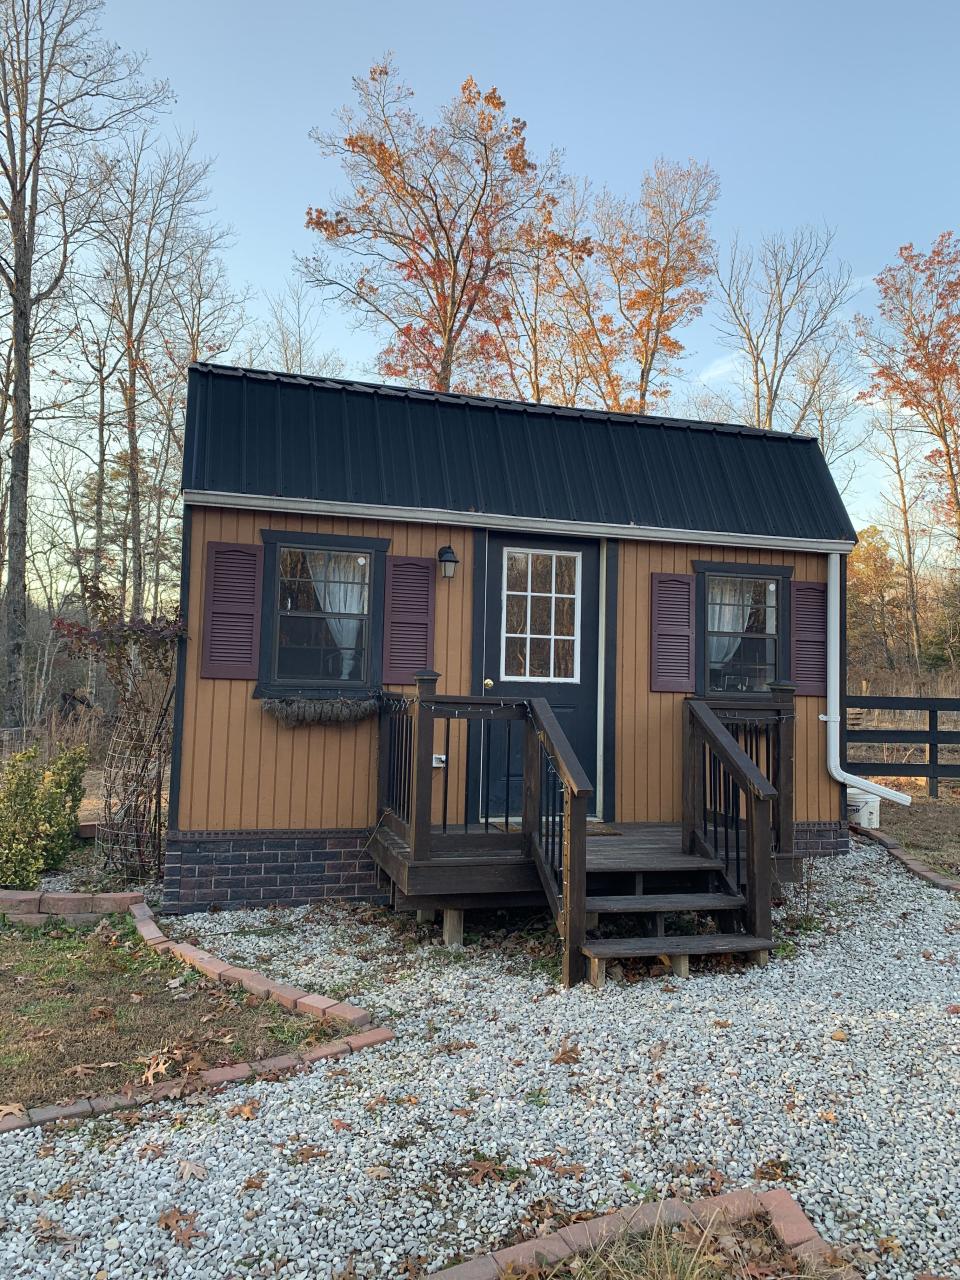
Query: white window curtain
x,y
338,580
728,610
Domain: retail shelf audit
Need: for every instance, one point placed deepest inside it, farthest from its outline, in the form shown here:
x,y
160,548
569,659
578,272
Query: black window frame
x,y
704,569
268,685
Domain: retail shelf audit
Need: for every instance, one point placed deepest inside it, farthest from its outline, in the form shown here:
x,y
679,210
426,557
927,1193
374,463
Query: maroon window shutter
x,y
673,633
409,599
230,648
808,638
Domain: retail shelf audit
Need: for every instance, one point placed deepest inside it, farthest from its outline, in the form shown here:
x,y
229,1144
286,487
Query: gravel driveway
x,y
505,1100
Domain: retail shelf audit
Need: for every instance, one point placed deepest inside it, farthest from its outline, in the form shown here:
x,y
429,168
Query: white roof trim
x,y
491,520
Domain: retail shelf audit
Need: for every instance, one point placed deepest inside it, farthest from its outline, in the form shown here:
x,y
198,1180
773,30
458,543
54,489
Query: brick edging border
x,y
794,1229
913,864
293,999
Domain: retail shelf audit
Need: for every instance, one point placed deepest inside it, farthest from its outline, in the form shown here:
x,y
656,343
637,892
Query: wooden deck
x,y
615,890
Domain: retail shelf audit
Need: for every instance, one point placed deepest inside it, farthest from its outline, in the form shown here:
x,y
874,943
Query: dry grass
x,y
930,829
85,1012
743,1251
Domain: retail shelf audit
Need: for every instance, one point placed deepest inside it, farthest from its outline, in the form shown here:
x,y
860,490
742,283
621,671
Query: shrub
x,y
38,814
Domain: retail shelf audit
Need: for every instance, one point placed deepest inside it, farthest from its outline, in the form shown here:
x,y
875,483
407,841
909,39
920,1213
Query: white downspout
x,y
833,693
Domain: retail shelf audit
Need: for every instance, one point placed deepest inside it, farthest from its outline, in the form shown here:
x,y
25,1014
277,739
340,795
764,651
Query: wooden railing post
x,y
421,782
574,887
784,697
758,916
531,784
692,777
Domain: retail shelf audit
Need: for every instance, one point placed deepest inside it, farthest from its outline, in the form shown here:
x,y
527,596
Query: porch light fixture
x,y
447,559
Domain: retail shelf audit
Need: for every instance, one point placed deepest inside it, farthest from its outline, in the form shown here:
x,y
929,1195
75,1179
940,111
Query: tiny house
x,y
453,652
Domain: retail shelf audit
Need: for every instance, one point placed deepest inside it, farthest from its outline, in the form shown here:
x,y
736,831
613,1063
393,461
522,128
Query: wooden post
x,y
759,919
692,803
421,783
531,784
933,753
783,695
452,927
574,887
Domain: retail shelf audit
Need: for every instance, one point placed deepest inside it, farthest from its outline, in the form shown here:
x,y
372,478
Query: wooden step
x,y
603,859
688,944
642,903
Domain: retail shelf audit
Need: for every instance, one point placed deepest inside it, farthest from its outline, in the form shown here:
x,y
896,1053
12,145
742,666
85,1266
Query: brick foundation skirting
x,y
813,839
232,869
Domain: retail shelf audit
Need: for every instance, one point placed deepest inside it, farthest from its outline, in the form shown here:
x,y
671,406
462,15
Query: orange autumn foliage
x,y
914,353
428,223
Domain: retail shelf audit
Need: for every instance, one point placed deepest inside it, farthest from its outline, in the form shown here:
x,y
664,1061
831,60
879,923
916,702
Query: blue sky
x,y
843,112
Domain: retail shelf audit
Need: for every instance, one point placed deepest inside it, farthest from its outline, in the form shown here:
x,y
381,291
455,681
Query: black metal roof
x,y
258,433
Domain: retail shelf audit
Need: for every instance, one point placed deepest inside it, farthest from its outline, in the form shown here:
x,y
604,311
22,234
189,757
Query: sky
x,y
841,113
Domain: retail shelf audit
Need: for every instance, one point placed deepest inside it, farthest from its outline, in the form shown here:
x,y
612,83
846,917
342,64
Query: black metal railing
x,y
728,809
765,732
396,758
535,803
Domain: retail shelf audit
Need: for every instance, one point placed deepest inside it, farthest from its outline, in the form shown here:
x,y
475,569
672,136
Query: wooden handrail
x,y
728,807
746,773
556,795
558,745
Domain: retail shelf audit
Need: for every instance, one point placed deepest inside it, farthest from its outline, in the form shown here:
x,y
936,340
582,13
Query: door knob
x,y
488,683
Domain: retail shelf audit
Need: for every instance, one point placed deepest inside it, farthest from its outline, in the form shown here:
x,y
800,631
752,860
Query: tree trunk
x,y
15,595
133,477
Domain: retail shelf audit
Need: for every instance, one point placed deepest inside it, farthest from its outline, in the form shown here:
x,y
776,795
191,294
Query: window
x,y
322,627
541,616
323,615
742,633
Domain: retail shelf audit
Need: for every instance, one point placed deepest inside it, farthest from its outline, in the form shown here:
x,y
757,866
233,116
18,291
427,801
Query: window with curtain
x,y
742,619
323,616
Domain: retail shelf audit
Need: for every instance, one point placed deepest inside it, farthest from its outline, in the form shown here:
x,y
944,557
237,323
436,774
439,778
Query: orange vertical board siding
x,y
240,769
649,727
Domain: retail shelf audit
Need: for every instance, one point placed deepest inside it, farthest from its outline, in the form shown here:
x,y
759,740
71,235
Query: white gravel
x,y
664,1092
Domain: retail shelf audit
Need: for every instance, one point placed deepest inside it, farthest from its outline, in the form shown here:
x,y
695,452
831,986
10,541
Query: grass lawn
x,y
928,828
87,1011
740,1251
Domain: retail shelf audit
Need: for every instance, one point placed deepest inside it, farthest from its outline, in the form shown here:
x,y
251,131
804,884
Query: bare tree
x,y
61,89
288,340
152,199
780,305
908,525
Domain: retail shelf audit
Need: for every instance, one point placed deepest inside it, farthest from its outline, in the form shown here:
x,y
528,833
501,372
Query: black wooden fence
x,y
932,738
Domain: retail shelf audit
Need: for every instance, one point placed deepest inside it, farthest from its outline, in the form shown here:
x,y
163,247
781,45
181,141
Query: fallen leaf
x,y
246,1110
341,1126
310,1153
151,1150
378,1171
461,1111
566,1054
722,1023
829,1116
953,1009
190,1169
81,1069
840,1035
255,1182
12,1109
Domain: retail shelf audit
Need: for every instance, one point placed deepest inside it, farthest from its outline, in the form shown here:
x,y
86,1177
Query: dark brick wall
x,y
264,868
813,838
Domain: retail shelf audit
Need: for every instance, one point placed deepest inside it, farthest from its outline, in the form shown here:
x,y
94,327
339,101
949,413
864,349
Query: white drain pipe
x,y
834,673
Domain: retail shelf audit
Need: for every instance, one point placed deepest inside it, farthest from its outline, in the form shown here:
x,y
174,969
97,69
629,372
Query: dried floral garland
x,y
291,712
